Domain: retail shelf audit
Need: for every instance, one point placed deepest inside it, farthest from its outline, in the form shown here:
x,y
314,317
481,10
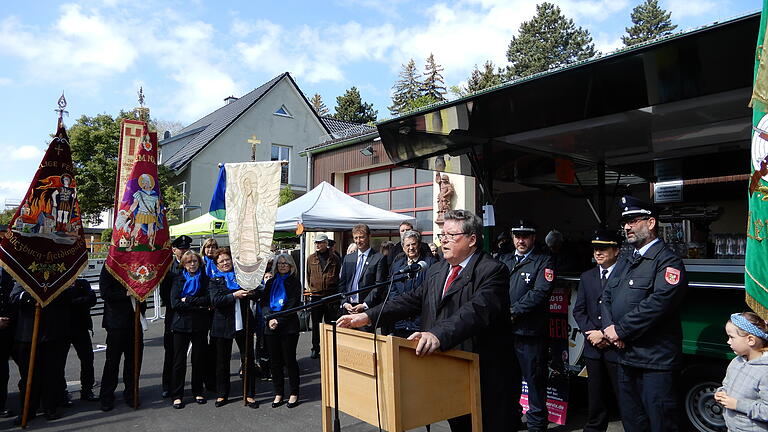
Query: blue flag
x,y
218,207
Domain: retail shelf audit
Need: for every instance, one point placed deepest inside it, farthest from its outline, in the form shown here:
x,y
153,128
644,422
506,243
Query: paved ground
x,y
156,414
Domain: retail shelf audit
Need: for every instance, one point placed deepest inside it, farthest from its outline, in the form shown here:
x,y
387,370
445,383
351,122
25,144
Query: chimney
x,y
229,99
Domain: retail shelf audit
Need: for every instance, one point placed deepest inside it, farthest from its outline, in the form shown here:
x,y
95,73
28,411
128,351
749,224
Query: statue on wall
x,y
444,196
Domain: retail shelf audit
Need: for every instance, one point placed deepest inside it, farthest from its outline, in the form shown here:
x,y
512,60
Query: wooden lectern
x,y
413,391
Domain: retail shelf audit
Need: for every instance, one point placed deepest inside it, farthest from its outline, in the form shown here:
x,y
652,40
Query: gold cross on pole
x,y
254,142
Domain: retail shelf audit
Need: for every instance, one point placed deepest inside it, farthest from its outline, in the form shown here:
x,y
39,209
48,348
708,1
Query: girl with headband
x,y
744,393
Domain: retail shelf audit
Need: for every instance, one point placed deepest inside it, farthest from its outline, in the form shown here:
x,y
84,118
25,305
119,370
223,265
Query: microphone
x,y
413,268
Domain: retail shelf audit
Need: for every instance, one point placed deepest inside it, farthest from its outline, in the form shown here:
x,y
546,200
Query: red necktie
x,y
451,277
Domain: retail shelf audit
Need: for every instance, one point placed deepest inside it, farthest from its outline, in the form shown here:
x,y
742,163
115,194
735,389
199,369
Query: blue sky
x,y
190,55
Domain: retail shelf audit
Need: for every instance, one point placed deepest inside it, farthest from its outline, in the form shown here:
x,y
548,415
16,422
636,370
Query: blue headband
x,y
742,323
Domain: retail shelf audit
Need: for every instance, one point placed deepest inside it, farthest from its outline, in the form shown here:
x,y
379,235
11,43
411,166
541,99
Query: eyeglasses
x,y
450,237
282,263
633,222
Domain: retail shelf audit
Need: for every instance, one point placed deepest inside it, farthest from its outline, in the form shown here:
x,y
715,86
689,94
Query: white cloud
x,y
79,43
684,8
5,81
26,152
13,189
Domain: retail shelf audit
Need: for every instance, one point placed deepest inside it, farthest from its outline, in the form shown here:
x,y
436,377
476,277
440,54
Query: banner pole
x,y
136,330
31,368
246,363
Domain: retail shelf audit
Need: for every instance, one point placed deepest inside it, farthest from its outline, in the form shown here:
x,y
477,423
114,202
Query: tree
x,y
407,88
286,195
480,79
434,84
419,102
649,21
7,215
549,40
94,142
318,105
351,108
161,126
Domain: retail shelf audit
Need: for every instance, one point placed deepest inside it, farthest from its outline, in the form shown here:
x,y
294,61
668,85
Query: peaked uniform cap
x,y
523,226
632,207
182,242
603,237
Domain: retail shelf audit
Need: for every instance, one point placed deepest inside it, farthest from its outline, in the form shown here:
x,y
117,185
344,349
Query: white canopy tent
x,y
326,208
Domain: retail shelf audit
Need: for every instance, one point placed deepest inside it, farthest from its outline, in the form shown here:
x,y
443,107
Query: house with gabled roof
x,y
275,121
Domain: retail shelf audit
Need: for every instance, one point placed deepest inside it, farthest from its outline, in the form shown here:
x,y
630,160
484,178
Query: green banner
x,y
756,265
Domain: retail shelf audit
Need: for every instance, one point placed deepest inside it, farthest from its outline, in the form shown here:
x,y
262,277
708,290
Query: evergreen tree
x,y
549,40
488,77
649,21
406,89
350,107
318,105
434,84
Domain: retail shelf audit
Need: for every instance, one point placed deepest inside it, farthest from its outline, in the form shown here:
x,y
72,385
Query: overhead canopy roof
x,y
677,98
326,208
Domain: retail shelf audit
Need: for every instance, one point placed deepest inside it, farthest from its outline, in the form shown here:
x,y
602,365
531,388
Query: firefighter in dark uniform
x,y
179,245
531,274
599,353
641,315
81,328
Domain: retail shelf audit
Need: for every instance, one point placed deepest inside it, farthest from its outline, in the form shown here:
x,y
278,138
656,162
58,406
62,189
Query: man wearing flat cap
x,y
323,269
179,245
641,317
531,277
599,352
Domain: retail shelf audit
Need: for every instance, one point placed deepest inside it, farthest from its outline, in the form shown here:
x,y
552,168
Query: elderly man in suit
x,y
463,304
599,353
360,269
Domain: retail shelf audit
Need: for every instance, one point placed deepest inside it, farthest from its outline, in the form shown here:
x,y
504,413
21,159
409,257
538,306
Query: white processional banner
x,y
253,189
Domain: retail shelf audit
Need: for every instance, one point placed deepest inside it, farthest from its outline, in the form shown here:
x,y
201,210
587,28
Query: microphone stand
x,y
322,302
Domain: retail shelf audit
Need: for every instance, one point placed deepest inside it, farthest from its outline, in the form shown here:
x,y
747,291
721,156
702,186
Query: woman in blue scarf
x,y
283,291
232,309
208,251
191,322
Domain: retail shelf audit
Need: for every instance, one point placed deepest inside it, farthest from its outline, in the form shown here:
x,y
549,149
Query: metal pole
x,y
247,355
601,193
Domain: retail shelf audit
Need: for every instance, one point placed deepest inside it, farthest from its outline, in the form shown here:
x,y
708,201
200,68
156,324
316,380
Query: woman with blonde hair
x,y
282,292
208,252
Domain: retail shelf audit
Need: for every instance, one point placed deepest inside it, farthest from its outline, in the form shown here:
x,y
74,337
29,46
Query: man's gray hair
x,y
412,233
470,222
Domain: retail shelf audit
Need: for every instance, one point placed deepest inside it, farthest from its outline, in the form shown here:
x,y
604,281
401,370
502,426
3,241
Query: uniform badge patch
x,y
549,275
672,276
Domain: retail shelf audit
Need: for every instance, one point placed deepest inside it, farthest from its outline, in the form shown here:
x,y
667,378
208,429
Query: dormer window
x,y
283,112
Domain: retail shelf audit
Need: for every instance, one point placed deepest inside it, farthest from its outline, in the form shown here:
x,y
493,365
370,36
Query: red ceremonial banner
x,y
139,254
44,246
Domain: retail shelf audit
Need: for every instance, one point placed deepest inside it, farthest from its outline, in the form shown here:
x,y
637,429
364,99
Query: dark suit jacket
x,y
83,299
472,316
54,318
223,301
193,314
118,310
167,283
288,324
587,310
374,270
399,288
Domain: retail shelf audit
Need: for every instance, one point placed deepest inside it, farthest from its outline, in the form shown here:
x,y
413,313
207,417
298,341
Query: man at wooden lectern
x,y
464,304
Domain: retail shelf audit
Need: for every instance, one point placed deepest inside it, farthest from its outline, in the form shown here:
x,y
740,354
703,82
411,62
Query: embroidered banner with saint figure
x,y
252,193
756,261
44,247
139,253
